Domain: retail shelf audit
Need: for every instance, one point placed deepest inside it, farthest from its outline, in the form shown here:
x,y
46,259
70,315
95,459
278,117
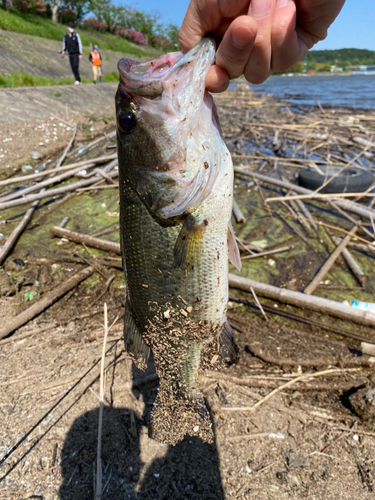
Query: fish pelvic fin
x,y
189,243
233,252
133,339
173,419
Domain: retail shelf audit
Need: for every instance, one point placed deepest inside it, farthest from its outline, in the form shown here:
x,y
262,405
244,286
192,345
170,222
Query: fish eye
x,y
127,122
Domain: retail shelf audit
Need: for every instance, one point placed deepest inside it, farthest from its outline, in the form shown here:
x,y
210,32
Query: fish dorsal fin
x,y
233,252
133,338
189,243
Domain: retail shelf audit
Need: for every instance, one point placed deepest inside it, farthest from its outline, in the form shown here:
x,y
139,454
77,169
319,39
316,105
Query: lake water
x,y
356,91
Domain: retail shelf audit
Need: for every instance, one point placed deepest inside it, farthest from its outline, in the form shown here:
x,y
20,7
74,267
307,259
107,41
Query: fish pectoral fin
x,y
233,252
189,243
133,338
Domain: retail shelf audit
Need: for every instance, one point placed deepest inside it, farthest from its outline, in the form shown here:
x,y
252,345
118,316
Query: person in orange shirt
x,y
96,61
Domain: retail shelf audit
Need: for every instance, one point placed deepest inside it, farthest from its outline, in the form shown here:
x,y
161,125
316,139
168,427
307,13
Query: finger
x,y
258,67
287,49
217,79
236,46
205,16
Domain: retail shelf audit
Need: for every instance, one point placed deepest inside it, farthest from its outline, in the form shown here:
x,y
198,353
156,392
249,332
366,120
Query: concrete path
x,y
27,104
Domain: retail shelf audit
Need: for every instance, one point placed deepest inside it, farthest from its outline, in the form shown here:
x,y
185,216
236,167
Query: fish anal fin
x,y
233,252
133,339
189,243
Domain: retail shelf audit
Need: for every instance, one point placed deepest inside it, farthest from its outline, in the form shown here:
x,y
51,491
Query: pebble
x,y
35,155
26,168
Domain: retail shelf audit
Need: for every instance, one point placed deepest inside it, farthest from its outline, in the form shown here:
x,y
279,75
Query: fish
x,y
176,192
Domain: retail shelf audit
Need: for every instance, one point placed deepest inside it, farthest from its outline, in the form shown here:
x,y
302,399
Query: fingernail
x,y
281,3
241,37
260,8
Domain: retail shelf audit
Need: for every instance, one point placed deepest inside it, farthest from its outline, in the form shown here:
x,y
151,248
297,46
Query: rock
x,y
363,403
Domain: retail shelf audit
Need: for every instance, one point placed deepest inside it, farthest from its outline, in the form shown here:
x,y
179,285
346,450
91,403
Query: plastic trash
x,y
40,168
82,149
26,168
363,306
35,155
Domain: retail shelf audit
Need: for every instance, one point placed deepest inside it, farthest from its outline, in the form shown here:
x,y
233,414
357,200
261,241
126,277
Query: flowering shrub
x,y
67,15
37,6
161,42
131,35
93,23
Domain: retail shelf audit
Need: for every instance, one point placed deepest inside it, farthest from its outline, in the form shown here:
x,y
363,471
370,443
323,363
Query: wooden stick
x,y
100,159
66,151
91,241
15,234
35,187
298,299
283,386
314,196
238,215
354,267
296,317
258,303
269,252
52,192
329,262
352,207
9,325
98,492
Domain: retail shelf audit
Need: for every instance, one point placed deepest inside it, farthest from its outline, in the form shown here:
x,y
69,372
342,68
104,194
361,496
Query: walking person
x,y
96,61
72,44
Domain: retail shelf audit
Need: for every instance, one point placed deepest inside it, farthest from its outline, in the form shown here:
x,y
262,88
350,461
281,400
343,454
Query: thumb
x,y
201,18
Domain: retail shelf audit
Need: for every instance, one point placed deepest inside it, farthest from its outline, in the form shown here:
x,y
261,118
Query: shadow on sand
x,y
189,470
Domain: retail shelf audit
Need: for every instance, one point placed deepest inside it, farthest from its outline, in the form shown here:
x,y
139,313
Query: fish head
x,y
164,117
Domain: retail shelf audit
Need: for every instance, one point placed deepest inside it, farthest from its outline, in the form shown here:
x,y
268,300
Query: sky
x,y
354,27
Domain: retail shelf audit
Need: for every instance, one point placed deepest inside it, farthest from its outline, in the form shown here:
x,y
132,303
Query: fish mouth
x,y
145,78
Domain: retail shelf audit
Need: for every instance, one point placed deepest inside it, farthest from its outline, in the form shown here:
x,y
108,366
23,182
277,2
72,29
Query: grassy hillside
x,y
341,56
31,24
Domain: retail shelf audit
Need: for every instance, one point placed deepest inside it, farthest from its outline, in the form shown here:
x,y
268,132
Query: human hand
x,y
80,56
257,37
63,53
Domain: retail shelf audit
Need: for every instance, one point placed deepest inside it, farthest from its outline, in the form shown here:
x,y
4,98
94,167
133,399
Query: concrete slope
x,y
40,56
27,104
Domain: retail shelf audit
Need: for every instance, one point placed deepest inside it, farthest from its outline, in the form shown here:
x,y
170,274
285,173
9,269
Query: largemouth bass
x,y
176,184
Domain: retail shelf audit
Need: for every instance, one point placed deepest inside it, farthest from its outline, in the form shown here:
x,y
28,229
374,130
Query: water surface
x,y
355,91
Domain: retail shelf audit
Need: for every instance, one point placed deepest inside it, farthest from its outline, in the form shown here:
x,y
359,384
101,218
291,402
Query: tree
x,y
297,68
81,7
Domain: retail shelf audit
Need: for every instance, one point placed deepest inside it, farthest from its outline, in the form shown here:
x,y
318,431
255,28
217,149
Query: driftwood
x,y
352,207
268,252
329,262
15,234
66,150
9,325
52,192
85,163
354,267
238,215
35,187
91,241
298,299
296,317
